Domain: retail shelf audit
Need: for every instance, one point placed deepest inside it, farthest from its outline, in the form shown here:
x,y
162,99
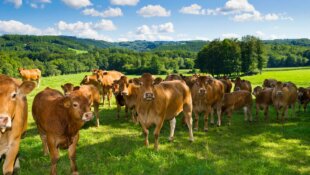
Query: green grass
x,y
116,147
78,51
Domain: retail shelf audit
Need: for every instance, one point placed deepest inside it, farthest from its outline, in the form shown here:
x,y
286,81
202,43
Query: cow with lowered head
x,y
13,119
59,119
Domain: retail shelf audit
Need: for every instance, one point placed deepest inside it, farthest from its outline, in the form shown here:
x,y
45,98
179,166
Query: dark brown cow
x,y
157,103
227,84
237,100
120,101
269,83
207,93
30,75
88,91
303,97
106,79
242,85
59,119
284,95
263,100
13,119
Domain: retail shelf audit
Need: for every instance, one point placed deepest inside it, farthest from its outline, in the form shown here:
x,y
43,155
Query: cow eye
x,y
14,95
75,105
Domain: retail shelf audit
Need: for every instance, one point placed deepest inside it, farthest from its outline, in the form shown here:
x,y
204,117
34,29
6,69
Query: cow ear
x,y
67,102
26,87
210,81
75,88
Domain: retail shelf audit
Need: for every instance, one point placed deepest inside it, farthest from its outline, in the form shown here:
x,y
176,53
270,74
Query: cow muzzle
x,y
237,89
279,93
5,122
124,93
149,96
87,116
202,91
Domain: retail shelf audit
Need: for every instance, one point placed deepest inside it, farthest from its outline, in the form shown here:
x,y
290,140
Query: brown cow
x,y
263,100
190,80
88,91
236,100
157,103
303,97
207,93
269,83
173,77
120,101
242,85
284,95
106,79
30,75
13,119
59,119
227,84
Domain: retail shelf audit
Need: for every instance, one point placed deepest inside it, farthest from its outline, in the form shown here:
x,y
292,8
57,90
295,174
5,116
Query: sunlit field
x,y
116,147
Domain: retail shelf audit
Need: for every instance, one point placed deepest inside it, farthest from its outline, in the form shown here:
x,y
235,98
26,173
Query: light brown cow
x,y
269,83
157,103
227,84
207,93
88,91
106,79
237,100
59,119
263,99
303,97
284,95
30,75
13,119
242,85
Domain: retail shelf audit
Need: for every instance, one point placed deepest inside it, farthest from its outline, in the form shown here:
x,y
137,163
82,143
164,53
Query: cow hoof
x,y
195,129
171,139
75,173
191,140
206,130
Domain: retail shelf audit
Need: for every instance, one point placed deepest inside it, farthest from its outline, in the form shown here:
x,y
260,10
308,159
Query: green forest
x,y
55,55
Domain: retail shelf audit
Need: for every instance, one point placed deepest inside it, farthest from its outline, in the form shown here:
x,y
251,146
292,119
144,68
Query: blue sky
x,y
127,20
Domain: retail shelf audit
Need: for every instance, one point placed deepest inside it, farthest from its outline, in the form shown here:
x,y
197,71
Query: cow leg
x,y
109,96
44,144
284,113
118,109
229,114
126,112
196,114
189,122
257,112
54,154
266,108
103,98
219,112
96,109
245,114
172,128
305,105
146,134
8,165
72,155
212,116
206,115
249,111
293,110
158,127
277,112
38,82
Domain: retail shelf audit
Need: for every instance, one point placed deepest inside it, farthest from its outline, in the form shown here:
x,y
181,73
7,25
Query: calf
x,y
120,101
284,95
236,100
13,119
242,85
303,97
262,100
164,101
59,119
30,75
269,83
207,93
88,91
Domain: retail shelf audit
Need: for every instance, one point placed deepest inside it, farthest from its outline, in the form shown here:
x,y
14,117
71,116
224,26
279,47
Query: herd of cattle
x,y
150,101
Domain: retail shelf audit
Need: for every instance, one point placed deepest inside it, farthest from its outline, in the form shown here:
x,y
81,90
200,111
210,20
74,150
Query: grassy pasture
x,y
116,147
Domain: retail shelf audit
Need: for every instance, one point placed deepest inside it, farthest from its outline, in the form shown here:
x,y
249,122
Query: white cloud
x,y
105,25
153,10
193,9
17,3
260,34
39,3
77,3
124,2
17,27
152,33
110,12
230,35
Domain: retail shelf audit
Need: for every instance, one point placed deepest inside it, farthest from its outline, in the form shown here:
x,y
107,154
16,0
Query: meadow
x,y
116,147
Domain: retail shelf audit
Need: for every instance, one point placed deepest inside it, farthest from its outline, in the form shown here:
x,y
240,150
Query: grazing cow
x,y
269,83
262,100
157,103
106,79
284,95
30,75
303,97
242,85
129,90
236,100
207,93
88,91
59,119
173,77
120,101
227,84
13,119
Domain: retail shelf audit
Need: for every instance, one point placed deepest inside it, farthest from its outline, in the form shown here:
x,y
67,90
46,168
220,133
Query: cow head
x,y
279,88
203,83
115,87
238,83
67,88
79,106
123,85
147,86
85,80
10,95
257,90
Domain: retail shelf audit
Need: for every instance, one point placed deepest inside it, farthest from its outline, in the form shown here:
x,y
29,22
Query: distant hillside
x,y
295,42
